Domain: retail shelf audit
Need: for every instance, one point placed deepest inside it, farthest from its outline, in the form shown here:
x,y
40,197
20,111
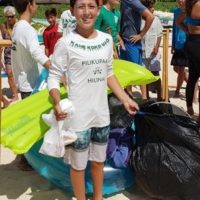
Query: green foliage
x,y
165,6
59,7
41,10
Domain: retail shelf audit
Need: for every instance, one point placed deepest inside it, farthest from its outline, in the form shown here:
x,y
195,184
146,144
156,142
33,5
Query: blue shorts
x,y
133,52
91,145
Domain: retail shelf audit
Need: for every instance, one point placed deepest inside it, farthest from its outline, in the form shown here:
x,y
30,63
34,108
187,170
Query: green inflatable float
x,y
22,125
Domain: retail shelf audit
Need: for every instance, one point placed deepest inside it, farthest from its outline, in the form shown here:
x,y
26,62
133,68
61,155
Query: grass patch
x,y
165,6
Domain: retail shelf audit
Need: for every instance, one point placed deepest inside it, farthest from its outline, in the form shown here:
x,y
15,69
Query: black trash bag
x,y
167,157
119,117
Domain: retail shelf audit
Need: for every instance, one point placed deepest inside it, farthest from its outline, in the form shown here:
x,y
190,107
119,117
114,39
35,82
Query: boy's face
x,y
86,12
51,19
33,8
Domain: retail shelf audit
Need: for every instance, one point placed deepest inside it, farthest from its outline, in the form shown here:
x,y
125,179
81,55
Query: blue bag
x,y
120,147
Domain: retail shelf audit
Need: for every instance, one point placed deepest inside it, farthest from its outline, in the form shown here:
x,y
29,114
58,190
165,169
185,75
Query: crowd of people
x,y
133,34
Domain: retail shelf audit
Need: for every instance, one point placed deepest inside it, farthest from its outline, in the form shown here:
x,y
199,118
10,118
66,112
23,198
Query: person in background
x,y
179,58
67,23
150,48
108,21
6,32
132,12
191,15
4,101
50,34
85,56
25,55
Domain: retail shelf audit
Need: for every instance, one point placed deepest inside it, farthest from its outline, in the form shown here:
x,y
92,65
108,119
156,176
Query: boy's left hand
x,y
131,106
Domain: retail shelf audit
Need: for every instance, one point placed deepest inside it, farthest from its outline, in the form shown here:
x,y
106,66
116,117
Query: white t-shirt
x,y
25,54
67,22
87,63
150,38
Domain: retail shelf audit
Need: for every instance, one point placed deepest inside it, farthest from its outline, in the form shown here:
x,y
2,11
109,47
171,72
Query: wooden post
x,y
3,43
165,94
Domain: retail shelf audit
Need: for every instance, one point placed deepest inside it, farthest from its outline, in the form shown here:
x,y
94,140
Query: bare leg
x,y
195,98
129,90
147,91
97,178
180,78
11,83
143,91
78,183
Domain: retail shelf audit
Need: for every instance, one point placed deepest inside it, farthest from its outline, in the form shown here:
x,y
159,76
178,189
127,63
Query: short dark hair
x,y
51,12
21,5
148,3
72,3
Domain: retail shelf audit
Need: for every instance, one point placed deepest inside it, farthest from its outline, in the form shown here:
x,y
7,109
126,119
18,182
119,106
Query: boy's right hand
x,y
60,115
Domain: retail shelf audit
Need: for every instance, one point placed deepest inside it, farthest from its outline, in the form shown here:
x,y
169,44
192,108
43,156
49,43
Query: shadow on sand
x,y
16,184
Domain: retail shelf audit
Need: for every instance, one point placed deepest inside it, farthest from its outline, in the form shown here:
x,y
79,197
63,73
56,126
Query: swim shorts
x,y
91,145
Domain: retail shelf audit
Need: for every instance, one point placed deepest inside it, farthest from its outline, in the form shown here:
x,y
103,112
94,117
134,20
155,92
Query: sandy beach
x,y
16,184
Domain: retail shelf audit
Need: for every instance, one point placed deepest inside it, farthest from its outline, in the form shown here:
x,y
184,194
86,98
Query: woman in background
x,y
179,58
6,32
192,27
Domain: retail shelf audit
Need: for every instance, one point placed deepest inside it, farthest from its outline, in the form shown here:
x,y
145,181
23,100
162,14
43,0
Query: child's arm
x,y
46,51
55,94
173,33
32,45
121,42
148,17
46,45
56,71
156,48
159,29
47,64
130,105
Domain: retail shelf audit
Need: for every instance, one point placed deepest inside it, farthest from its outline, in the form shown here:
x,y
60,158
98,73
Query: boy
x,y
85,56
25,54
50,34
132,12
108,21
150,48
67,23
